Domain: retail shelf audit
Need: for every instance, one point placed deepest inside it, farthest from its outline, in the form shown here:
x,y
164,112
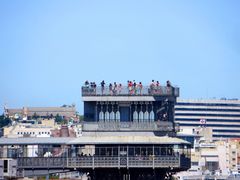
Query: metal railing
x,y
100,162
154,161
41,162
126,91
116,125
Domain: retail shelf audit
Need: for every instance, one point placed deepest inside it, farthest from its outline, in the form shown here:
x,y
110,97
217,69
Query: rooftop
x,y
94,140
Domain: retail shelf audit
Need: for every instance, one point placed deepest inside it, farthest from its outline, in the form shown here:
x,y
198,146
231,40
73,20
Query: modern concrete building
x,y
223,116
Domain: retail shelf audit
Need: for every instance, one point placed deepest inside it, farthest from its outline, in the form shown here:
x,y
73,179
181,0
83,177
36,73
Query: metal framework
x,y
102,156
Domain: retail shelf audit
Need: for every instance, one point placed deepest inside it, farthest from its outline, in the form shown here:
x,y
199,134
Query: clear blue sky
x,y
49,48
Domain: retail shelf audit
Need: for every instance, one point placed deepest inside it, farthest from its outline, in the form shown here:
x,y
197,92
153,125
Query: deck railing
x,y
116,125
126,91
154,161
100,162
41,162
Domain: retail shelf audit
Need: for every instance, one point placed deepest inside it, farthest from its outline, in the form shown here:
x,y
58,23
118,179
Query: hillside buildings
x,y
127,133
41,112
19,129
211,157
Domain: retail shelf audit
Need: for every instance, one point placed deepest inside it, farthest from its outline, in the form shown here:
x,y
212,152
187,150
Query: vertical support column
x,y
153,157
67,155
130,113
119,175
154,174
127,157
128,174
96,112
173,116
141,116
101,114
119,157
179,156
94,175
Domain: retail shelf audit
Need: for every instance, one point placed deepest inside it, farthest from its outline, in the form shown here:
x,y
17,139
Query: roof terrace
x,y
130,91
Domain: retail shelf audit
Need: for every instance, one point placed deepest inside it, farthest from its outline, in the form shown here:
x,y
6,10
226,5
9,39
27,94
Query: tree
x,y
81,117
4,121
59,119
35,116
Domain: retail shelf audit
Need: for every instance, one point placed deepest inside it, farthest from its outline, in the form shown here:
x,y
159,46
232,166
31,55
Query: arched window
x,y
117,116
146,116
112,115
101,115
152,116
140,116
107,116
135,116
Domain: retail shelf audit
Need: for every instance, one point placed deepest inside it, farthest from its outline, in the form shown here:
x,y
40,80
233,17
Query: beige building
x,y
42,112
233,150
67,131
214,156
47,128
30,130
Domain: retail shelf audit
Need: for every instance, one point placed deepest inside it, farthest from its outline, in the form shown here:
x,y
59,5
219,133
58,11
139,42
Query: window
x,y
5,166
194,163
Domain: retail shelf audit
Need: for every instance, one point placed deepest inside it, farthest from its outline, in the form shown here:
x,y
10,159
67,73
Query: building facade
x,y
145,110
223,116
19,129
127,133
40,112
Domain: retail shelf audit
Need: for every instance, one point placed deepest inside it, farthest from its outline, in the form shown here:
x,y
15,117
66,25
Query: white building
x,y
223,116
30,130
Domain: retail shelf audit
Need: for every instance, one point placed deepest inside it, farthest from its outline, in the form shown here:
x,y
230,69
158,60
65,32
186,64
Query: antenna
x,y
5,112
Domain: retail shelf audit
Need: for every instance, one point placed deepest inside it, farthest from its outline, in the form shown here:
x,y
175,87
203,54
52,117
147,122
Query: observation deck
x,y
124,91
149,108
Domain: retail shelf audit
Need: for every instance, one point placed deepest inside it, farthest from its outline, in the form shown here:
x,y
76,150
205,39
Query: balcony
x,y
40,162
100,162
129,126
124,91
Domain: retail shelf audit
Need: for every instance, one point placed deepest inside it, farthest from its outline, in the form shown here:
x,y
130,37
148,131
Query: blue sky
x,y
49,48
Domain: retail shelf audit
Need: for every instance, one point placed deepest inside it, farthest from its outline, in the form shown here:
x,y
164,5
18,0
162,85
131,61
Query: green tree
x,y
35,116
59,119
81,117
4,121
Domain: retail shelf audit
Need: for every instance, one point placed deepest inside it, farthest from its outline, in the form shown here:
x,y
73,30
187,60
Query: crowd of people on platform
x,y
133,88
